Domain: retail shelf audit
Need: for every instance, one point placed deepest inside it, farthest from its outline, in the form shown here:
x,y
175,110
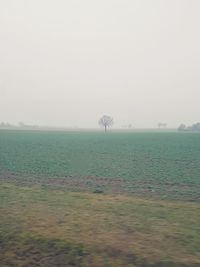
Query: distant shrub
x,y
194,128
98,191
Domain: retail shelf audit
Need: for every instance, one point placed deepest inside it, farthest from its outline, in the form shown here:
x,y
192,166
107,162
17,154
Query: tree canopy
x,y
106,121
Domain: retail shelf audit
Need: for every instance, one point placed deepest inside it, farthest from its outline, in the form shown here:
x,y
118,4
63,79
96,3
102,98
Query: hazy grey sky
x,y
67,62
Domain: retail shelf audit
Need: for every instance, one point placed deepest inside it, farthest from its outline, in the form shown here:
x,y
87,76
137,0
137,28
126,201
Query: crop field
x,y
95,199
164,164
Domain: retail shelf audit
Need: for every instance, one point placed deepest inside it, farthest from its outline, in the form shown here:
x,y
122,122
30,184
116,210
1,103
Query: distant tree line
x,y
162,125
193,128
6,125
21,125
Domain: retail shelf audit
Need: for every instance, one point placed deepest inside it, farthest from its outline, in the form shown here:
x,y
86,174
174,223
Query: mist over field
x,y
73,192
66,63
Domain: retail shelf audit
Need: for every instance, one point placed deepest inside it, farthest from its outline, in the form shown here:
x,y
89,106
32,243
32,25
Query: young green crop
x,y
158,163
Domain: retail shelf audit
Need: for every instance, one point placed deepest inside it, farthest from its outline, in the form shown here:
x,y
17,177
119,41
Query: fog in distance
x,y
67,63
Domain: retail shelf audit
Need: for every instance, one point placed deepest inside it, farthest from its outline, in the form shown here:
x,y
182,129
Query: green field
x,y
95,199
164,164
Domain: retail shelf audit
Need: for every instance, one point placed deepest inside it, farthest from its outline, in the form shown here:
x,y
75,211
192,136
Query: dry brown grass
x,y
112,230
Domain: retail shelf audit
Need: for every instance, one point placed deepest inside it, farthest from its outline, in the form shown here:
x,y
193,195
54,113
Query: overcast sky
x,y
67,62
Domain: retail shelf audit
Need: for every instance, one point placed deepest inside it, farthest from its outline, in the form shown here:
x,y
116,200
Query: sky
x,y
67,63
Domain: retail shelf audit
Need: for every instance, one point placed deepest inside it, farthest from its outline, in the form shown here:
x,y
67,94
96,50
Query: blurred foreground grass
x,y
47,227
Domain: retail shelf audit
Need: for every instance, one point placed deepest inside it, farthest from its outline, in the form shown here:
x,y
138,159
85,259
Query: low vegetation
x,y
90,199
164,164
48,227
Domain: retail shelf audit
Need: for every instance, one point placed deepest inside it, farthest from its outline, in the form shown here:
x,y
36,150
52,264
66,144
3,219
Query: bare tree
x,y
182,127
193,128
106,121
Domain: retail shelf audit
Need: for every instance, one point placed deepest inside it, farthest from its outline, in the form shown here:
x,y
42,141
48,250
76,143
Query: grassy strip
x,y
31,250
43,227
149,188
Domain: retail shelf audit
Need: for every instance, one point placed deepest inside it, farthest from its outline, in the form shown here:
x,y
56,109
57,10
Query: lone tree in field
x,y
106,121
